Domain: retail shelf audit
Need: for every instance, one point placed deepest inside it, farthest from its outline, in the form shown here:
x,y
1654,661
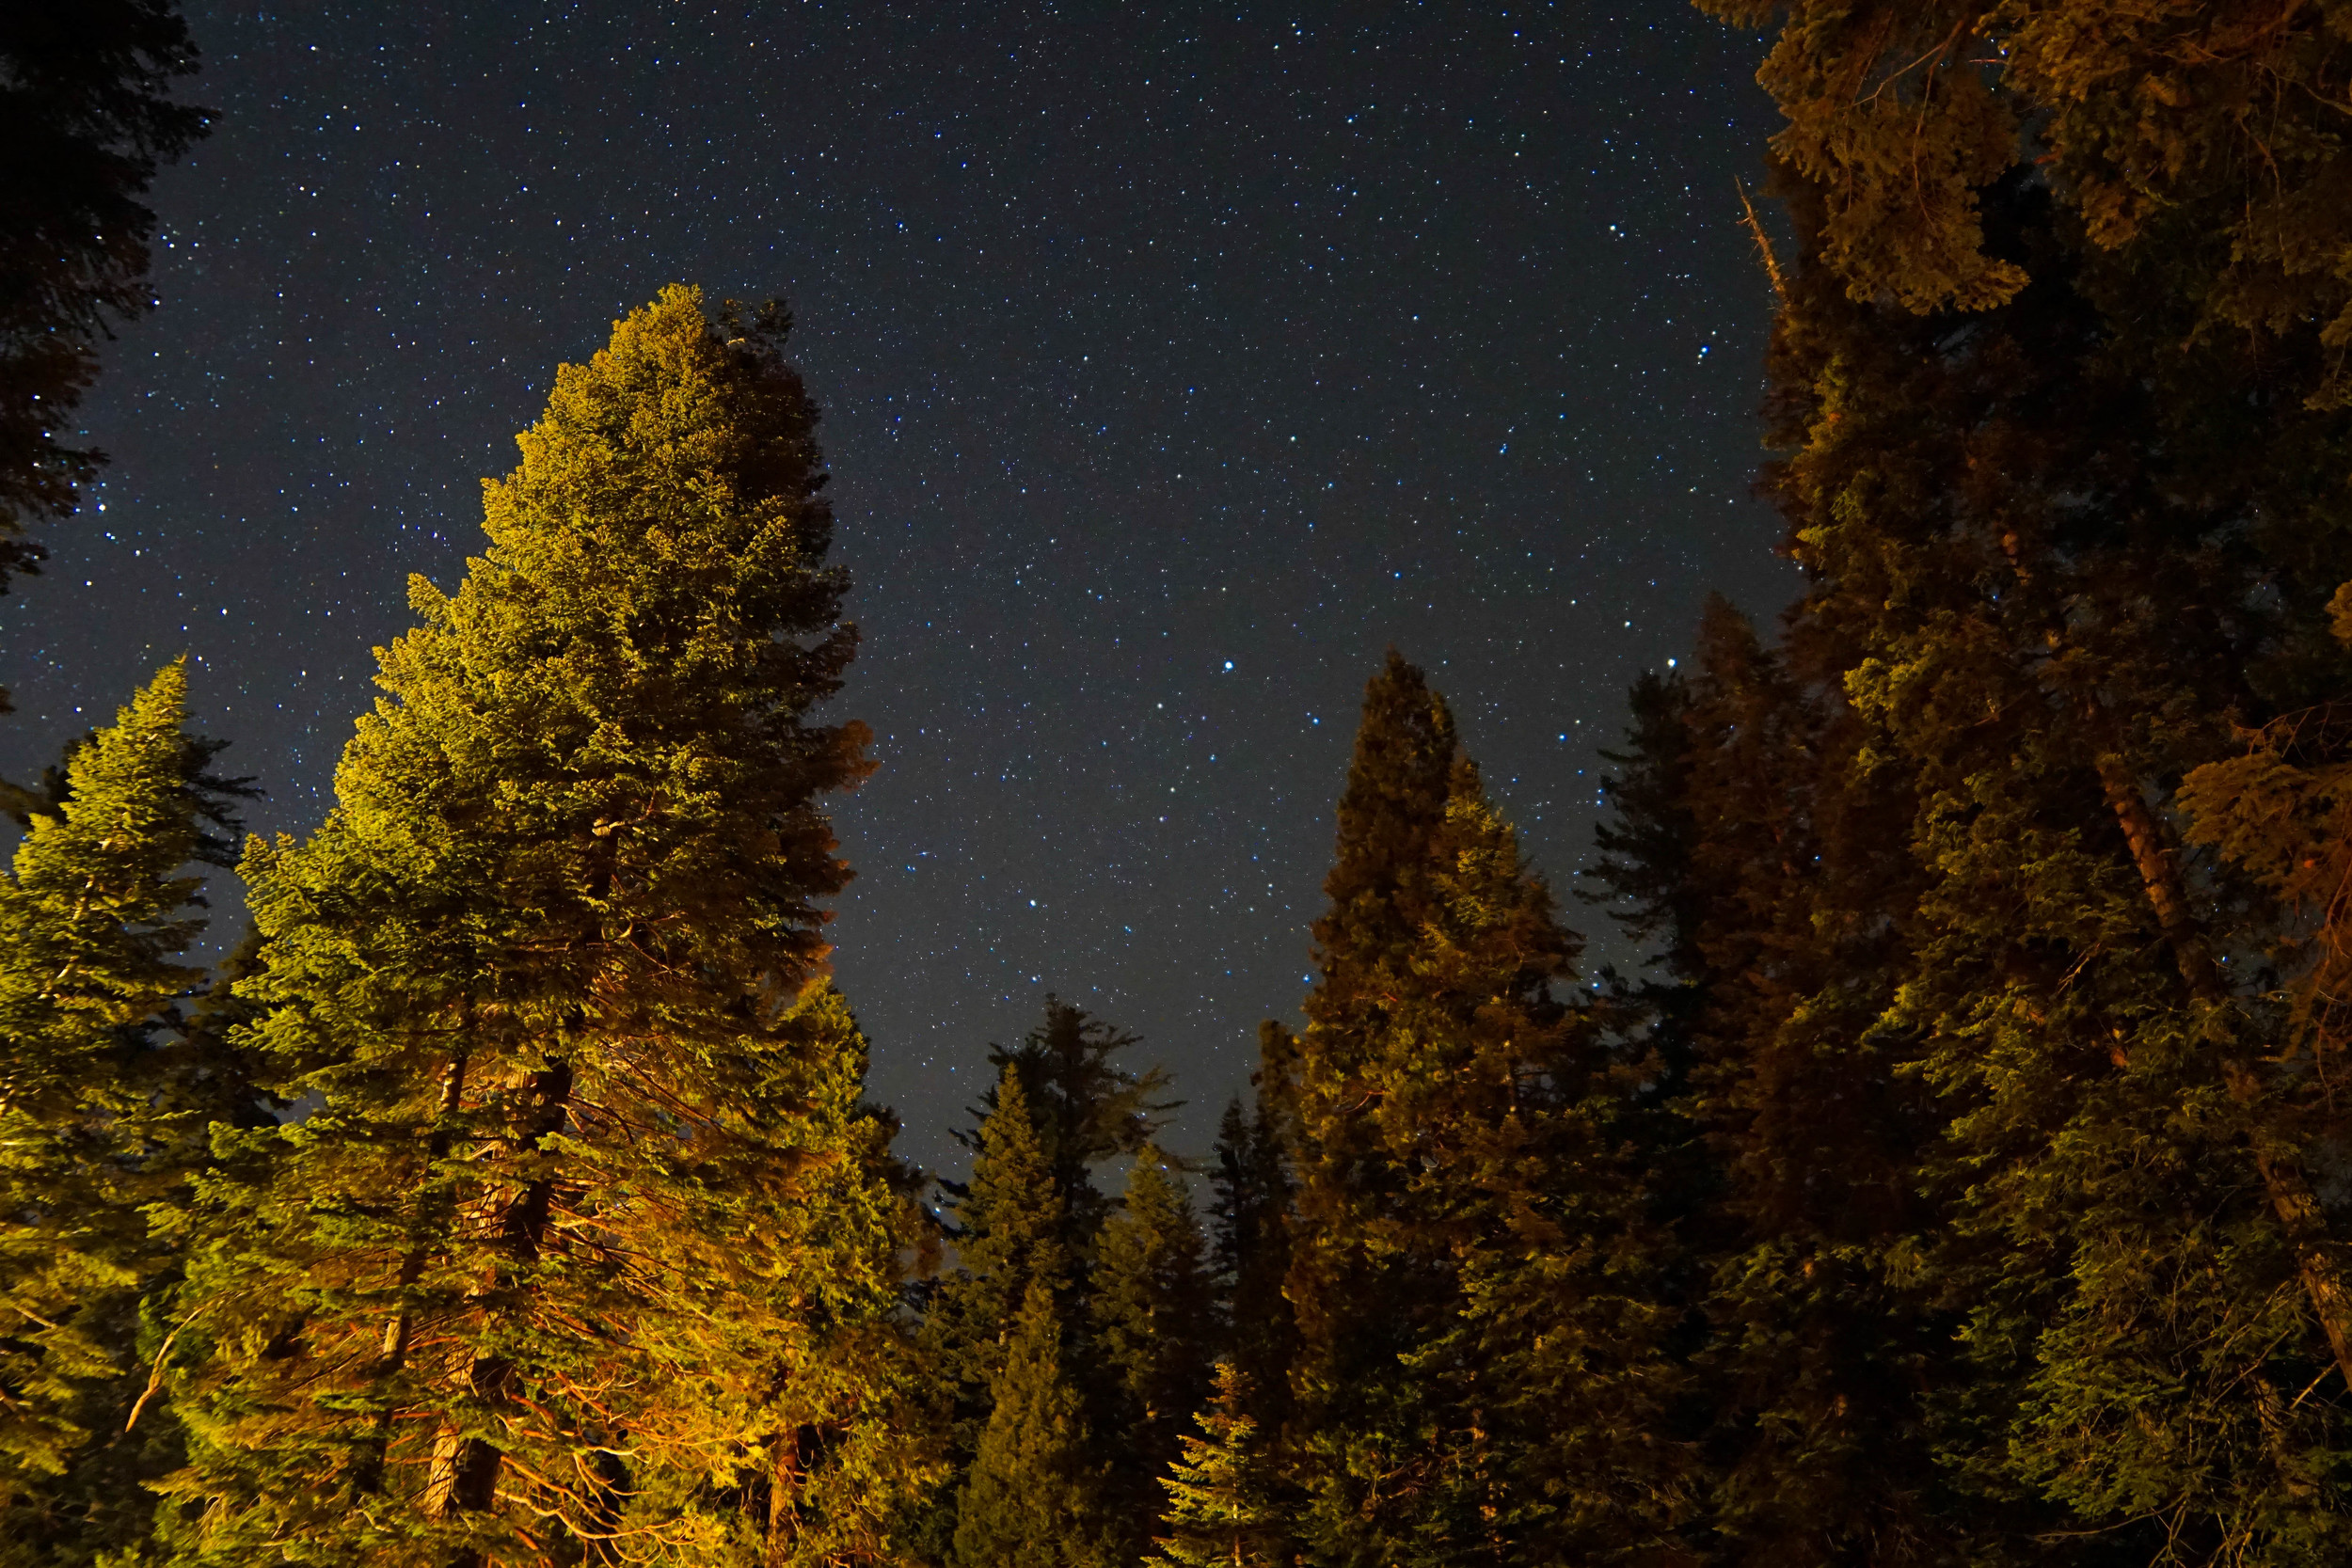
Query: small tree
x,y
1221,1512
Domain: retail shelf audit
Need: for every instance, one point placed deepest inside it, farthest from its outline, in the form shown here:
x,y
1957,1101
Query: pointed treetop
x,y
1399,782
106,867
1220,1509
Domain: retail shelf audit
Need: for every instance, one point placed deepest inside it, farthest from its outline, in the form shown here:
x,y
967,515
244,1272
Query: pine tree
x,y
2140,118
97,1127
1035,1492
1088,1109
1480,1375
2064,439
1221,1512
1153,1326
1061,1107
545,975
1250,1243
1771,873
841,1449
1011,1230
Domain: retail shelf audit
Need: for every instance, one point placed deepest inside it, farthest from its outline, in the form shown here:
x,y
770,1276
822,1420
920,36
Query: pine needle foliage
x,y
87,115
1011,1232
2058,387
1152,1328
98,1127
1250,1183
1479,1376
1061,1107
1086,1105
1221,1512
1036,1490
544,979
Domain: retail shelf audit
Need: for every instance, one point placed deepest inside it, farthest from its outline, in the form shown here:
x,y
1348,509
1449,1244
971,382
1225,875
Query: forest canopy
x,y
1958,1176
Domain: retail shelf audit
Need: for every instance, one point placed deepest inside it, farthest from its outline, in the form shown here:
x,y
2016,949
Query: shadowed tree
x,y
2057,384
85,117
1152,1331
1480,1374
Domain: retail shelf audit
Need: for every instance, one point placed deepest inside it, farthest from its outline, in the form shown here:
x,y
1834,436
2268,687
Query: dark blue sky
x,y
1176,361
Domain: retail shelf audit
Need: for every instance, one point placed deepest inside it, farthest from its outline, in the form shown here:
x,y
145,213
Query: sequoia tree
x,y
539,1254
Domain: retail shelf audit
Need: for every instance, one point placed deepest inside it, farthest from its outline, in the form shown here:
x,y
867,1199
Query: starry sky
x,y
1176,360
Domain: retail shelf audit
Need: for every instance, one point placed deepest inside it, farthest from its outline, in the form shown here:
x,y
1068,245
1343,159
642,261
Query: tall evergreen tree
x,y
1769,872
103,1120
2064,437
1087,1107
1034,1493
1011,1229
544,976
1249,1247
838,1448
1062,1106
1480,1375
1153,1332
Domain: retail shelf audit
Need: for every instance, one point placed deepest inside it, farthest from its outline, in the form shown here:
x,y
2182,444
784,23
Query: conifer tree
x,y
2064,440
1153,1327
100,1124
545,974
1221,1512
1036,1490
1769,872
841,1447
1480,1374
1011,1229
1250,1249
1087,1108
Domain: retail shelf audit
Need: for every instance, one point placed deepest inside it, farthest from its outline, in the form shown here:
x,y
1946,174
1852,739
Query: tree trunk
x,y
2283,1181
466,1468
368,1475
785,1481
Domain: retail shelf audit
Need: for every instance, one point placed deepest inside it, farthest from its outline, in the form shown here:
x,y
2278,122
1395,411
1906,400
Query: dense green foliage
x,y
109,1091
582,1230
1220,1497
1480,1366
1958,1177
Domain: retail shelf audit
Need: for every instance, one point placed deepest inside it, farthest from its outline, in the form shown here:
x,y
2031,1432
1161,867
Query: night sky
x,y
1176,361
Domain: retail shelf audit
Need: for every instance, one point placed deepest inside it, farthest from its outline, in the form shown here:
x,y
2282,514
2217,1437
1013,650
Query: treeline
x,y
1959,1178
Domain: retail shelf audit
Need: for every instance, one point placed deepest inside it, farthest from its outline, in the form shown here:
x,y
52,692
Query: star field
x,y
1176,361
